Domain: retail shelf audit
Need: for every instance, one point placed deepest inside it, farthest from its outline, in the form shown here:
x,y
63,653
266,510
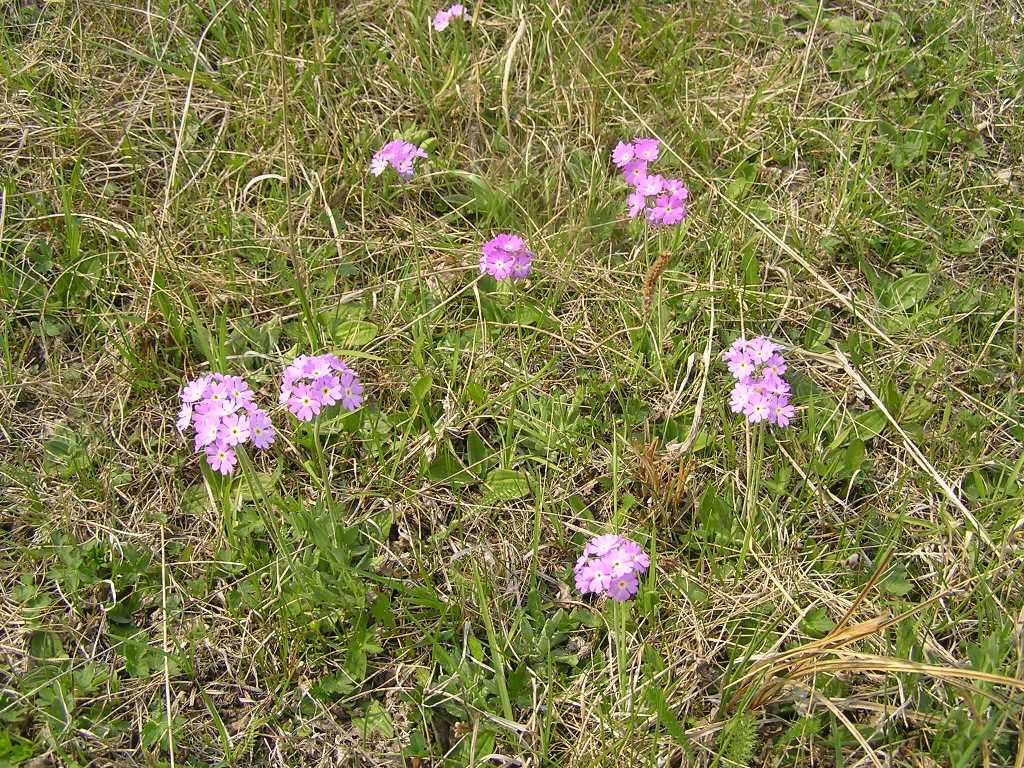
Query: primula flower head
x,y
611,565
760,392
667,205
312,383
223,414
441,21
505,256
444,17
400,155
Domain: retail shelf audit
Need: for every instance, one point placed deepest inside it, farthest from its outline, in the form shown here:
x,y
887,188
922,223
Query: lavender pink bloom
x,y
506,256
444,17
647,149
623,154
400,155
634,172
223,415
611,565
311,383
663,201
760,392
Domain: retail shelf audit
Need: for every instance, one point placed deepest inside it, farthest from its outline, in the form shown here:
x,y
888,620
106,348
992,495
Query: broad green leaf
x,y
853,457
897,583
817,623
870,424
819,329
354,333
904,293
505,485
374,720
420,387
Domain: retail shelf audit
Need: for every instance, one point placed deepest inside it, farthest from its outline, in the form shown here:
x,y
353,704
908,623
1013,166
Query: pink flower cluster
x,y
506,256
760,392
222,411
662,200
400,155
611,565
311,383
443,18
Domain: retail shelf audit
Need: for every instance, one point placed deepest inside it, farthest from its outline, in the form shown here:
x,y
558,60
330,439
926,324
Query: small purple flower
x,y
647,149
303,403
207,428
328,389
441,21
521,267
592,577
400,155
193,391
757,409
238,389
761,349
741,367
771,384
444,17
636,202
675,211
667,210
774,366
740,397
623,587
351,391
599,546
622,154
505,256
640,559
634,172
782,413
261,430
618,562
651,185
234,429
677,188
184,416
611,565
221,458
